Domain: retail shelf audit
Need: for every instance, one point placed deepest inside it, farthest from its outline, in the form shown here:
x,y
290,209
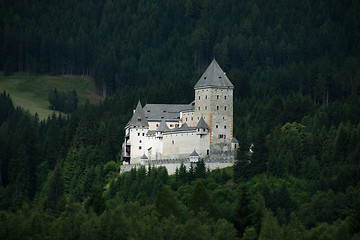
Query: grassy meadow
x,y
31,92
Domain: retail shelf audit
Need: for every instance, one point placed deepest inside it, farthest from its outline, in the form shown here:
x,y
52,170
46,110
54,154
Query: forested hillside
x,y
296,71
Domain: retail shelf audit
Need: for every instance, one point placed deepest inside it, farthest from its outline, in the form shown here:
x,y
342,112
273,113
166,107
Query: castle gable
x,y
214,76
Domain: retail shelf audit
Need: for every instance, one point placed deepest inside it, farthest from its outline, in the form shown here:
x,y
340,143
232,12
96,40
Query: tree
x,y
166,204
200,201
270,228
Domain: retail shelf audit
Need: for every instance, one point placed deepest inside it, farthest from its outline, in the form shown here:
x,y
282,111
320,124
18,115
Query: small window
x,y
192,118
138,134
205,96
217,107
171,125
143,134
186,119
139,141
157,124
217,97
199,108
205,107
225,97
173,142
199,97
225,127
225,108
217,126
139,147
139,119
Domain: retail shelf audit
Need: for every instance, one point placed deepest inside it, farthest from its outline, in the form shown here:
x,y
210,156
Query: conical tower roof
x,y
138,118
162,127
214,76
194,154
202,124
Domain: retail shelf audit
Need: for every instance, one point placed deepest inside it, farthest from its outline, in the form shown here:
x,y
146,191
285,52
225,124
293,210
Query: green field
x,y
31,92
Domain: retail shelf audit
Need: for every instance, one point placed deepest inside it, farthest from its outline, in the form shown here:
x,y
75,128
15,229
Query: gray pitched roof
x,y
144,157
202,124
169,112
214,76
138,118
194,154
162,127
234,140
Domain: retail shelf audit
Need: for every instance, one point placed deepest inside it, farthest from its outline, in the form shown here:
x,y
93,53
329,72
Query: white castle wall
x,y
182,144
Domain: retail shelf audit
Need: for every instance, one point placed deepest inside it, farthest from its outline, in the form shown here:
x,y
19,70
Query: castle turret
x,y
214,103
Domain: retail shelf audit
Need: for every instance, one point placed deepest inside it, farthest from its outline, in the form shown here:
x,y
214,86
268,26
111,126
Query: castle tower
x,y
135,135
214,103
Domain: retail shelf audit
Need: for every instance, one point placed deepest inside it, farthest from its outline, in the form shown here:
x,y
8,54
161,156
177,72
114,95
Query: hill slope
x,y
31,92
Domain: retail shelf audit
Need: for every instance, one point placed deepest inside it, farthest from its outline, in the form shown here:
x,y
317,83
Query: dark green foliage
x,y
200,201
166,204
63,102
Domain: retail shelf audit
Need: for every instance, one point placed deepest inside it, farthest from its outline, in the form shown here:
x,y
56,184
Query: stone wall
x,y
172,164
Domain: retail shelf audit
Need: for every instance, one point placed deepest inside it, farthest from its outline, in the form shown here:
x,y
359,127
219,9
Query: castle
x,y
202,128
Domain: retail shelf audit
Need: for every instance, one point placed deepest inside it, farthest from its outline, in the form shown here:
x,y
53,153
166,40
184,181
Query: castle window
x,y
217,97
217,107
157,124
173,142
171,125
186,119
139,141
225,97
199,108
199,97
139,119
217,126
225,126
192,118
143,134
205,107
225,108
138,134
139,147
205,96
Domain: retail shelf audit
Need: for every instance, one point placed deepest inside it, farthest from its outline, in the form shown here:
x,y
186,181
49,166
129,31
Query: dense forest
x,y
296,71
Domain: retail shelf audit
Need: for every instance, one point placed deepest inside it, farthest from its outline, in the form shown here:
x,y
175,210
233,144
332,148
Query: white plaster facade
x,y
169,131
